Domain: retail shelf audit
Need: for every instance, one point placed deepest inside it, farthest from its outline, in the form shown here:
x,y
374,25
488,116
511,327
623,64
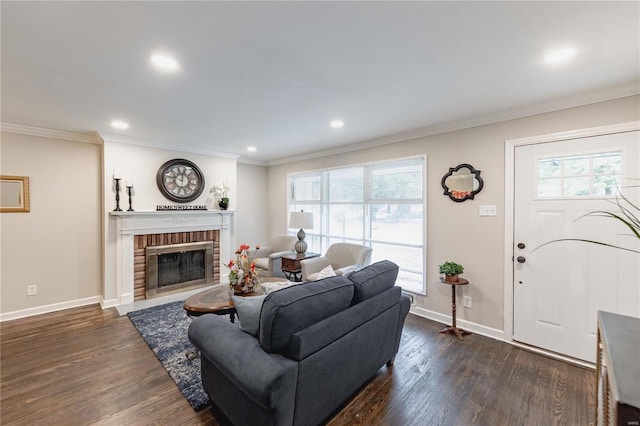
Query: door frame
x,y
509,197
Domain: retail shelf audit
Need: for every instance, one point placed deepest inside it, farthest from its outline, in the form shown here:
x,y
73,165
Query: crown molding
x,y
109,137
592,97
84,137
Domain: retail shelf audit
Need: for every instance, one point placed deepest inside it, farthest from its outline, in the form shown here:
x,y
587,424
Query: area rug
x,y
164,328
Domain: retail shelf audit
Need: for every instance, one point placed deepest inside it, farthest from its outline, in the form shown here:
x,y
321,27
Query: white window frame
x,y
367,201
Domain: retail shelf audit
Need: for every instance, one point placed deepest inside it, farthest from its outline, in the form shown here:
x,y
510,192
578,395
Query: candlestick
x,y
117,209
129,190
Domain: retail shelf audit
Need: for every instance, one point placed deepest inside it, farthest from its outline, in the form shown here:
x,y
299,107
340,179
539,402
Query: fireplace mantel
x,y
129,224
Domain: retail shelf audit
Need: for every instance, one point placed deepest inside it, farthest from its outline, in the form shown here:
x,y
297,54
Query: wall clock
x,y
180,180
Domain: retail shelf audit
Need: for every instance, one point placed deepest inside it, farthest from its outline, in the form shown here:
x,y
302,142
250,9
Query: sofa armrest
x,y
313,265
238,355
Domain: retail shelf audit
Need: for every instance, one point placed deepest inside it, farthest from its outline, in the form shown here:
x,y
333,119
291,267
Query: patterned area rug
x,y
164,328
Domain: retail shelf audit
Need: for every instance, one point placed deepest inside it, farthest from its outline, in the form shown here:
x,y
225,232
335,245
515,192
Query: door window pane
x,y
597,174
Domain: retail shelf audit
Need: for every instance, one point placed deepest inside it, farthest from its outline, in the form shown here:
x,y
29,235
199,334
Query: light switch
x,y
488,210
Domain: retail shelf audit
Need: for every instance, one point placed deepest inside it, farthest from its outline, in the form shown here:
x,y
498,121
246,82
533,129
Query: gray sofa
x,y
317,344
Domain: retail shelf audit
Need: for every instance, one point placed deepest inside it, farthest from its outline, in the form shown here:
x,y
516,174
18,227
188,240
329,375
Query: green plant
x,y
451,268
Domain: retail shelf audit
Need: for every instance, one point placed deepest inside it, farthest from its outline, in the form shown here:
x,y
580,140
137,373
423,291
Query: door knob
x,y
521,246
521,259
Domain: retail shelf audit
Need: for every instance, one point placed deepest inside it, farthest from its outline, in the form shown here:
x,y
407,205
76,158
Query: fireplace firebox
x,y
178,266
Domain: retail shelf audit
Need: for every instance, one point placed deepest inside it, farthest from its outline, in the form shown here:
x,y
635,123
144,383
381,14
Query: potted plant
x,y
222,194
243,276
451,270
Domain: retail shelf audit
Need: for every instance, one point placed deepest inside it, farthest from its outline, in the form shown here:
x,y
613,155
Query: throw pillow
x,y
270,287
348,270
326,273
248,309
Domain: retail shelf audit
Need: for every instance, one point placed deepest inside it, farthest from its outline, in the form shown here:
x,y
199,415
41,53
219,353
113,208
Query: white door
x,y
559,287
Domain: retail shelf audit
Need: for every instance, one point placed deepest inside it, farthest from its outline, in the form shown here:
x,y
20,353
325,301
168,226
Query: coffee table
x,y
217,300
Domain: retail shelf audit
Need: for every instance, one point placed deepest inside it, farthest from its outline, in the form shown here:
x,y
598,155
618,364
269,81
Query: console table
x,y
453,329
618,370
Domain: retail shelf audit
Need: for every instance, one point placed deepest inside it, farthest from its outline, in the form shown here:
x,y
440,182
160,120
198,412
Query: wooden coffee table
x,y
217,300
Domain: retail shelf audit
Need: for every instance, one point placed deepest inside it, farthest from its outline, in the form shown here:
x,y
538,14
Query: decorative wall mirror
x,y
462,183
14,194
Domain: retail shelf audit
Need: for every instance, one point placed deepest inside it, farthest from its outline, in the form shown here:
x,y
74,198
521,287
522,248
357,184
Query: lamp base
x,y
301,245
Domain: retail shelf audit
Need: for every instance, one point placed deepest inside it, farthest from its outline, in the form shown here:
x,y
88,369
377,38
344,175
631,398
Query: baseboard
x,y
467,325
23,313
110,303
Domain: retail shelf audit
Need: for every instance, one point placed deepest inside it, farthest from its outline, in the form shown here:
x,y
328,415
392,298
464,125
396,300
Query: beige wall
x,y
251,220
454,230
71,193
57,245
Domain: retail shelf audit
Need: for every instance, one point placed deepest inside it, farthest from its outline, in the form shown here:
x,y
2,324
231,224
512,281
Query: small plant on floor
x,y
451,270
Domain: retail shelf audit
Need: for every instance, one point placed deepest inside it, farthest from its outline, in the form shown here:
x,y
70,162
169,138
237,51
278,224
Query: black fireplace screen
x,y
174,268
178,266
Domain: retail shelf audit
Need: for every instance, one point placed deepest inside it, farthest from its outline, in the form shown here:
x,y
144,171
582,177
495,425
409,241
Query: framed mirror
x,y
462,183
14,193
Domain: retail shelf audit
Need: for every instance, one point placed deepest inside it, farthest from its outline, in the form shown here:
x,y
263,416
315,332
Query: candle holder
x,y
129,190
117,209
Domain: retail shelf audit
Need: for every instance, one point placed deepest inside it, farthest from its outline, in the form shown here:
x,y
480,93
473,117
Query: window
x,y
584,175
380,205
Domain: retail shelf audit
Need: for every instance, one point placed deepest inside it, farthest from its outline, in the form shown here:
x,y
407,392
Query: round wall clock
x,y
180,180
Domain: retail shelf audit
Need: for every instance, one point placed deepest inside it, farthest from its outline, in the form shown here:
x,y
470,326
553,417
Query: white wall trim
x,y
109,137
45,309
467,325
509,178
89,137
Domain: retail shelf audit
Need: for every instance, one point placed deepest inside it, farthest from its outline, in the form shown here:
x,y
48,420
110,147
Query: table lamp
x,y
301,220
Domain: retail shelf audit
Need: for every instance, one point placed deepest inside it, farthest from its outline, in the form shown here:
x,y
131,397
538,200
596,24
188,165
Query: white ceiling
x,y
273,74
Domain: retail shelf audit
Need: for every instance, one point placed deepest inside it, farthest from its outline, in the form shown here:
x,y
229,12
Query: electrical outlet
x,y
488,210
32,290
466,302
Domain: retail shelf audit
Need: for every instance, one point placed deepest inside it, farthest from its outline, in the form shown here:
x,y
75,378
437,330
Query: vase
x,y
451,278
223,206
243,288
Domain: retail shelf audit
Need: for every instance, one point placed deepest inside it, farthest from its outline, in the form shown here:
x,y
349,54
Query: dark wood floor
x,y
89,366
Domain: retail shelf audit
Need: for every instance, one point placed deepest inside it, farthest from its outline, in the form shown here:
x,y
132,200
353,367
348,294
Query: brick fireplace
x,y
136,231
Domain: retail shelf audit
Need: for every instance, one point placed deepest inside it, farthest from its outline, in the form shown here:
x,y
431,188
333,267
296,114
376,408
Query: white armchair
x,y
269,258
341,257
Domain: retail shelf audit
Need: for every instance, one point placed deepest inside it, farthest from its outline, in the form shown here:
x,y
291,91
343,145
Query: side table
x,y
291,267
453,329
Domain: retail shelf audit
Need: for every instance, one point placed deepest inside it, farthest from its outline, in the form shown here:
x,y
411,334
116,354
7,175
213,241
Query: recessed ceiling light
x,y
251,148
119,124
164,62
337,124
558,56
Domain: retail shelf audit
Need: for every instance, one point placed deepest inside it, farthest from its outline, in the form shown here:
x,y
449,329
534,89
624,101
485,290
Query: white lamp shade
x,y
301,220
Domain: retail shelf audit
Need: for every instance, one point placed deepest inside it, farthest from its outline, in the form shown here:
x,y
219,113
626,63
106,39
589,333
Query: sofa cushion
x,y
292,309
248,309
373,279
